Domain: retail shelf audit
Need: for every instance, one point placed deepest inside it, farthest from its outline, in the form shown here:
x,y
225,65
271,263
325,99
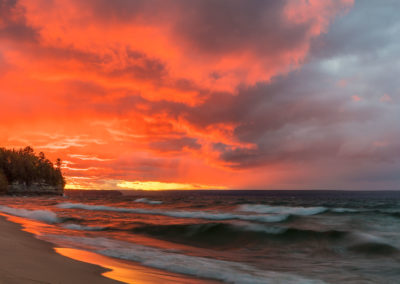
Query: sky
x,y
227,94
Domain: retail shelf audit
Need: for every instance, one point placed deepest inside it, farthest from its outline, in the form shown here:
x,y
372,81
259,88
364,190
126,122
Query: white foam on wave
x,y
224,216
363,237
39,215
299,211
344,210
78,227
148,201
179,214
231,272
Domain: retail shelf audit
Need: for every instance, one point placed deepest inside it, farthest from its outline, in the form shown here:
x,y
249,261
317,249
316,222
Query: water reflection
x,y
123,271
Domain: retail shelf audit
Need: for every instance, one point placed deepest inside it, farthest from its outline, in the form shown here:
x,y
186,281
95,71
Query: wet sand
x,y
26,259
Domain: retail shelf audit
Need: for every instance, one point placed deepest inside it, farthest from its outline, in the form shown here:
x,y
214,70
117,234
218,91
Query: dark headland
x,y
23,172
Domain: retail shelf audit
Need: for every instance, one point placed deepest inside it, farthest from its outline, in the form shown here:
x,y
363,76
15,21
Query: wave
x,y
83,228
370,244
226,235
221,235
395,214
39,215
387,212
344,210
374,248
299,211
230,235
180,214
148,201
203,267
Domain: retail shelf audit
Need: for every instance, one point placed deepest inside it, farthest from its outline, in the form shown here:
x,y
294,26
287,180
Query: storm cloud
x,y
243,94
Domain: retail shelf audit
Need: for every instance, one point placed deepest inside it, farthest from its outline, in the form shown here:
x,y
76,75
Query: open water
x,y
230,236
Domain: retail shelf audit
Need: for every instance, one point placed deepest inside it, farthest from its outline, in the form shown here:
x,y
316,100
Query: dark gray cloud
x,y
167,145
124,10
367,29
291,118
211,27
301,117
307,118
364,46
220,27
141,67
13,25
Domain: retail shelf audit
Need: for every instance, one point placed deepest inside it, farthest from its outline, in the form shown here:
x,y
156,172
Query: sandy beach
x,y
25,259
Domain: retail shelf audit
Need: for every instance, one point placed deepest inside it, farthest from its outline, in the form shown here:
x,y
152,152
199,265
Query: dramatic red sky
x,y
204,93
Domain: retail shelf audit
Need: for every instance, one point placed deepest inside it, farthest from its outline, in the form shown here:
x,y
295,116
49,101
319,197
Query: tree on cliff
x,y
24,166
3,182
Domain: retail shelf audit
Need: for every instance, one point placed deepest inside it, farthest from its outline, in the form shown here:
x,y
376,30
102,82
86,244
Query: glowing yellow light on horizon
x,y
74,186
156,185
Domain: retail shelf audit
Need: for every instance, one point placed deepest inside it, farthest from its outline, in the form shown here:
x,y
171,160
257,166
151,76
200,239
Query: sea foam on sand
x,y
39,215
173,261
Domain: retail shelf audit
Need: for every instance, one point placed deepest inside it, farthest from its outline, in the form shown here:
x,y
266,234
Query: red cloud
x,y
153,90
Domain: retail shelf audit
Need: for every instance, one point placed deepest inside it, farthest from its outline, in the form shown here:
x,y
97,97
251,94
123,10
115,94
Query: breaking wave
x,y
148,201
210,268
370,244
83,228
374,248
180,214
39,215
299,211
344,210
227,234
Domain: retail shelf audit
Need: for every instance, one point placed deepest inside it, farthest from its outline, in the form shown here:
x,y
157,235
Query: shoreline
x,y
25,258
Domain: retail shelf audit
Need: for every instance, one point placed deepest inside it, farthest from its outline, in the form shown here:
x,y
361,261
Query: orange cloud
x,y
136,93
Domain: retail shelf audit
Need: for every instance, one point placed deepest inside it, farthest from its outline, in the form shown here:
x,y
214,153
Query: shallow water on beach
x,y
230,236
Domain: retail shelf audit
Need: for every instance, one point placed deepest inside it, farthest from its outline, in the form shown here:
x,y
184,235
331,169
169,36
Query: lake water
x,y
230,236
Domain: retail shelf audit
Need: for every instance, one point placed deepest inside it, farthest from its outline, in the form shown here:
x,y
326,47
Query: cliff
x,y
24,172
34,189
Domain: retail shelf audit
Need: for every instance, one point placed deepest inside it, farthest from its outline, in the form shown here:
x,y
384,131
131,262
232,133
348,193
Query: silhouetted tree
x,y
24,166
3,182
